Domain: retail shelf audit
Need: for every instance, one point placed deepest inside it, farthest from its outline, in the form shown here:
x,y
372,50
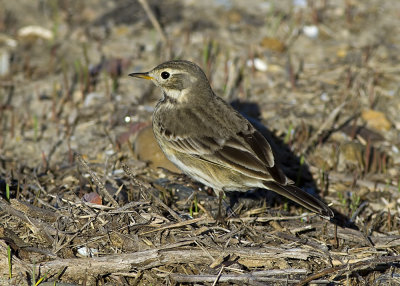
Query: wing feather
x,y
247,153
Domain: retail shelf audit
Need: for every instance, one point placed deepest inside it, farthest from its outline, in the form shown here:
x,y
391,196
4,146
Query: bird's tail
x,y
301,197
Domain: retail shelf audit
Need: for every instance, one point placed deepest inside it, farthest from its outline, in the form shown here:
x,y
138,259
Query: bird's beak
x,y
144,75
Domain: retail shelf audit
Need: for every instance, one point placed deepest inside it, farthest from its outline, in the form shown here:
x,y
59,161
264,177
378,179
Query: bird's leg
x,y
219,215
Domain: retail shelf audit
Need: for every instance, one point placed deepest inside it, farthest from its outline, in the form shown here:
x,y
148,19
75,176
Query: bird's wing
x,y
245,155
247,152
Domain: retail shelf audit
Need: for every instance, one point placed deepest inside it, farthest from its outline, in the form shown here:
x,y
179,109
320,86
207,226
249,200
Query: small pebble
x,y
258,64
311,31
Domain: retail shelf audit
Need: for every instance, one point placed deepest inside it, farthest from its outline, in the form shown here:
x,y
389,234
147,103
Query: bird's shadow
x,y
290,163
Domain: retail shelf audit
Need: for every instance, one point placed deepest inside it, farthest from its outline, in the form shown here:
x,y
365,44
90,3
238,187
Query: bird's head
x,y
180,80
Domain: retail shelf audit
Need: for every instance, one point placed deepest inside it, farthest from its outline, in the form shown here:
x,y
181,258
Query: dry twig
x,y
350,268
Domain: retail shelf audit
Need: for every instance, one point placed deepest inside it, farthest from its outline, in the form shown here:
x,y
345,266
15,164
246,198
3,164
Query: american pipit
x,y
211,142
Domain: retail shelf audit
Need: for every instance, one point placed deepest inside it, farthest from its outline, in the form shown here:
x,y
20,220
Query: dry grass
x,y
84,207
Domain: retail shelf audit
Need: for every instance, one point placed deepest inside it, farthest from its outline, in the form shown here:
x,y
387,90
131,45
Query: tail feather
x,y
301,197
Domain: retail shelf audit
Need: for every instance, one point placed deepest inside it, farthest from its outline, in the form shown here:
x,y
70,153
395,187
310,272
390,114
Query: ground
x,y
87,198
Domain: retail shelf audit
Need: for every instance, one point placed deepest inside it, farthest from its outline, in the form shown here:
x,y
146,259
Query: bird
x,y
213,143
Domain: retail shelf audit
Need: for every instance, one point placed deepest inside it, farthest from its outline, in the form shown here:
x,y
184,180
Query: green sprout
x,y
195,204
342,199
288,134
9,261
355,202
7,192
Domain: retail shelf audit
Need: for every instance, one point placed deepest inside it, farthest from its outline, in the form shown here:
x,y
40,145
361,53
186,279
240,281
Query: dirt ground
x,y
87,198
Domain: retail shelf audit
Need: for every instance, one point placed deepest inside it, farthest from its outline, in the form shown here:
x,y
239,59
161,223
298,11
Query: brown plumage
x,y
211,142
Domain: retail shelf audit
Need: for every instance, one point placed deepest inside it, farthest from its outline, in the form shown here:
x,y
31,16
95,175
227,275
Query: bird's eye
x,y
165,75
